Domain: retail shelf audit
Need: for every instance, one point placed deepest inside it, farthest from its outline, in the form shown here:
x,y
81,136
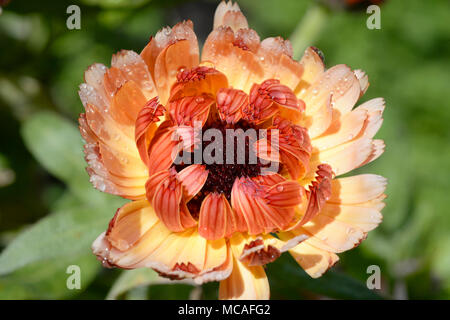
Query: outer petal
x,y
313,68
241,66
229,14
244,283
276,58
113,160
136,238
339,82
165,37
171,50
313,260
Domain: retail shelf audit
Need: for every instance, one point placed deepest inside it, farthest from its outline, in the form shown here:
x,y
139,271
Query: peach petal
x,y
134,69
276,58
164,38
245,283
229,14
313,68
127,103
241,66
175,57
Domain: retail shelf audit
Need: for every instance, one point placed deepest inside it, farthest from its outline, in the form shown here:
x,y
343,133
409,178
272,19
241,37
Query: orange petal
x,y
276,58
113,160
252,200
164,38
363,81
245,283
214,211
363,217
293,144
175,57
318,121
192,178
230,103
166,144
344,129
229,14
134,69
269,97
197,81
241,66
339,82
187,110
313,68
357,189
167,202
313,260
127,103
137,238
130,223
146,125
318,193
332,235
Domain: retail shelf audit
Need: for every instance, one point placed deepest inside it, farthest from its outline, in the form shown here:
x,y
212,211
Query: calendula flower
x,y
221,221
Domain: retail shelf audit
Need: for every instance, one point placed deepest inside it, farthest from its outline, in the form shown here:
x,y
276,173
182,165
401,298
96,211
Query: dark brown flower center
x,y
221,176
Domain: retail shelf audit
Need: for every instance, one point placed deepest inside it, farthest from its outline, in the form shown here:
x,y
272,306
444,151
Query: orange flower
x,y
212,221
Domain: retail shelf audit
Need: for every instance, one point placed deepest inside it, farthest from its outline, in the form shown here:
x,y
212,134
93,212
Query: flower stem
x,y
308,29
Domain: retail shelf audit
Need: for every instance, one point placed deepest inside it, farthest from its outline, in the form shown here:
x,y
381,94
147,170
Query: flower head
x,y
217,220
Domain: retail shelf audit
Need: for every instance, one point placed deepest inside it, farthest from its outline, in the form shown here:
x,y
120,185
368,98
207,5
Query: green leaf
x,y
68,232
57,144
48,279
130,279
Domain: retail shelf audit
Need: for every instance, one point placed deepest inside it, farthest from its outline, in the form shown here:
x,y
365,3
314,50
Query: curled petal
x,y
255,253
230,103
166,144
293,145
318,193
267,98
187,110
229,14
167,202
213,216
192,178
146,125
253,201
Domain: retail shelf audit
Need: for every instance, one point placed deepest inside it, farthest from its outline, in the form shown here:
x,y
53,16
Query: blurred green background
x,y
49,213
